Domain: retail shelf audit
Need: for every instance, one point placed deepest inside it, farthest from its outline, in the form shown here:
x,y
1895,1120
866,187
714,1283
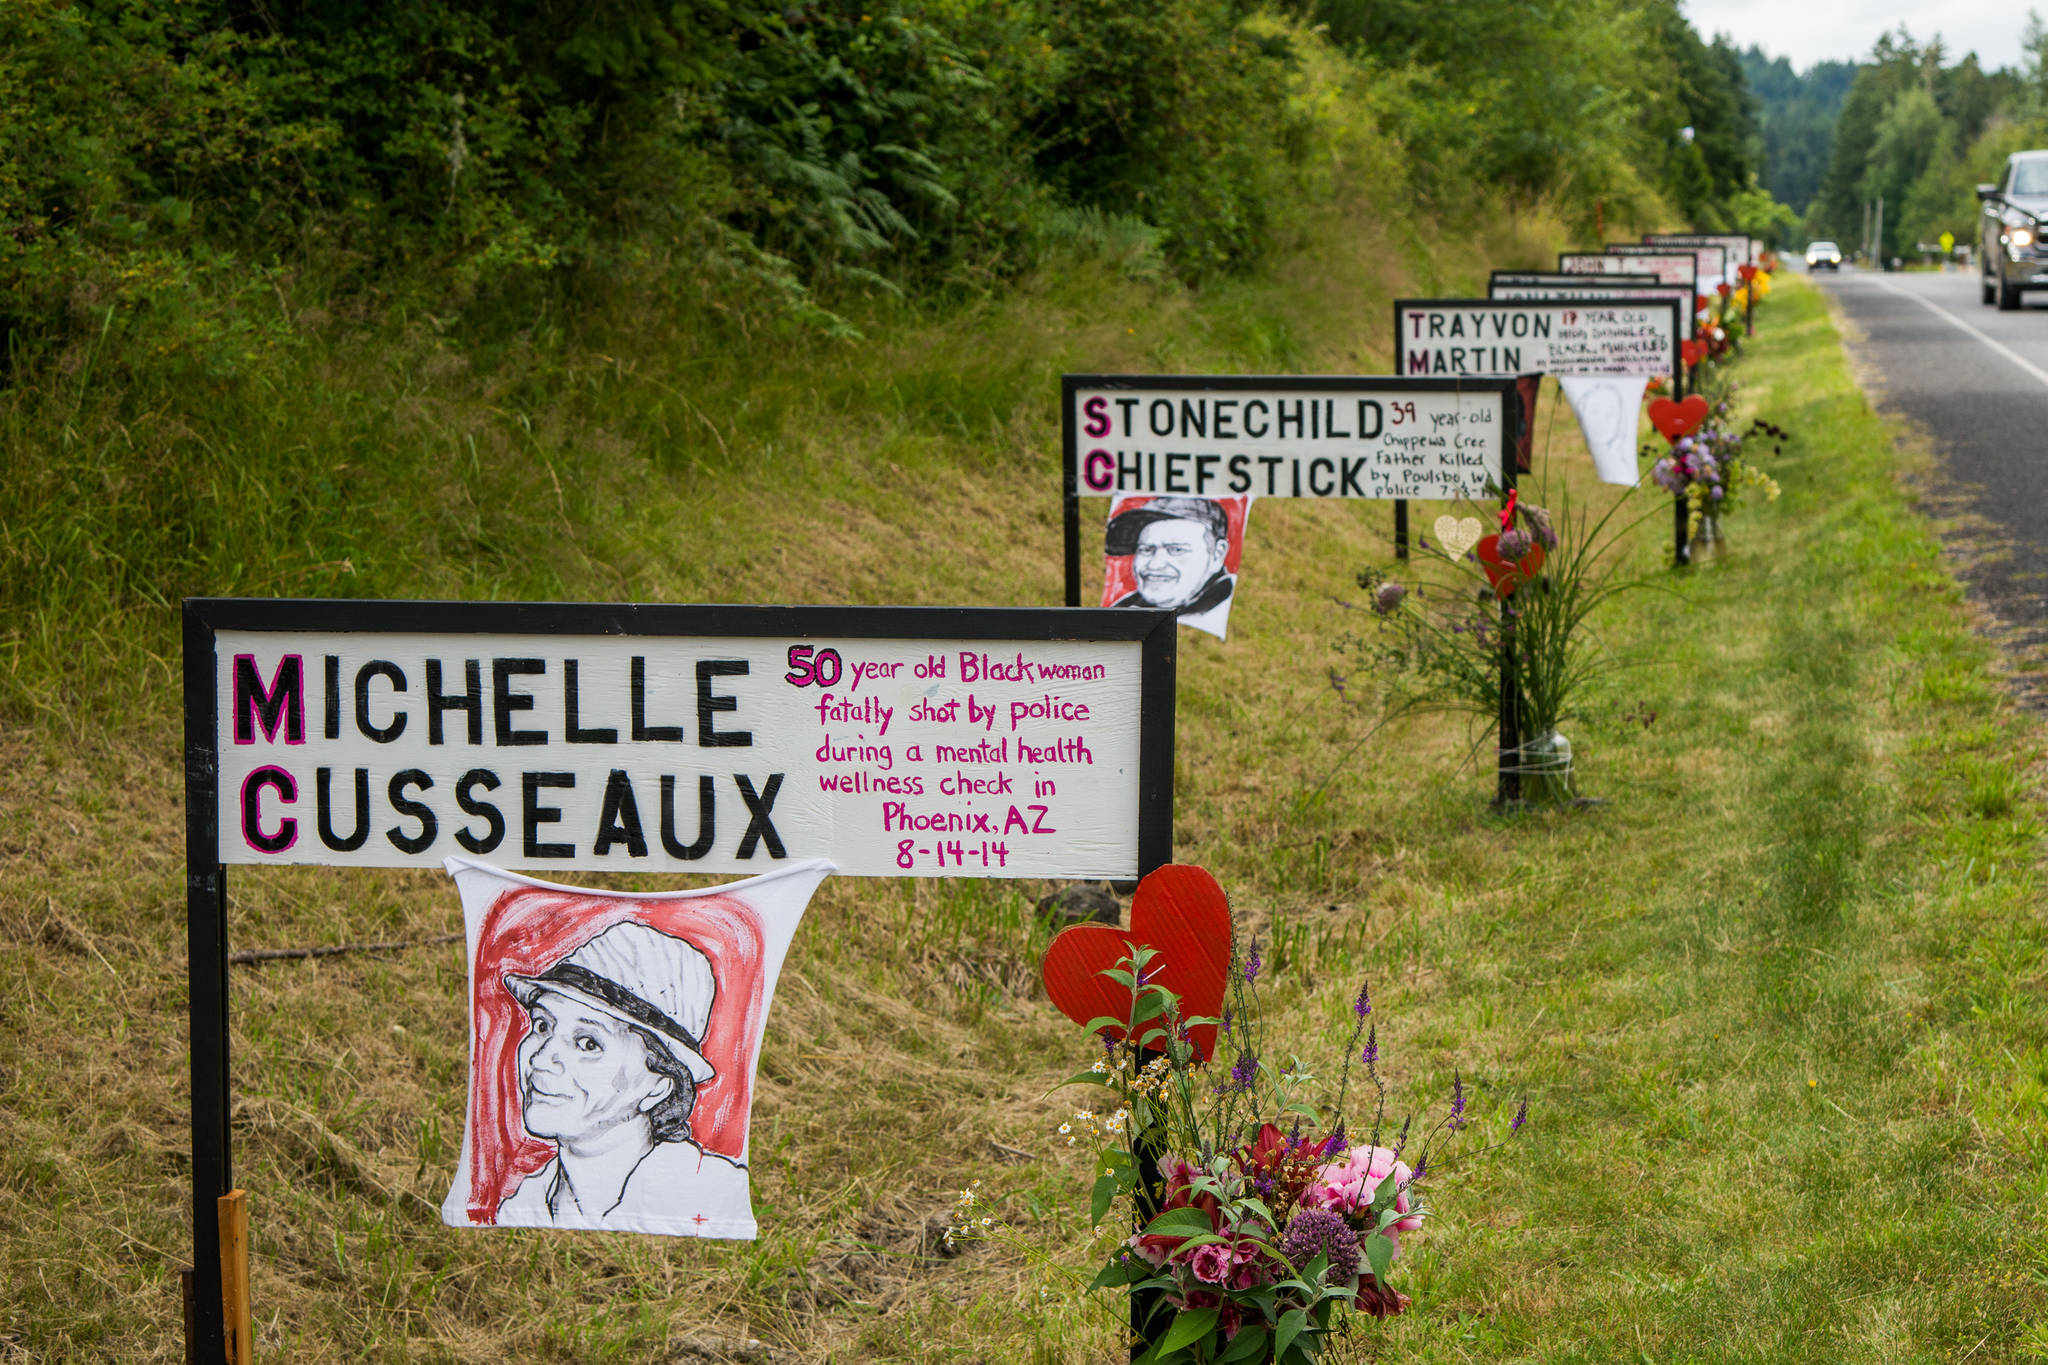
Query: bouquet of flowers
x,y
1504,622
1715,467
1260,1214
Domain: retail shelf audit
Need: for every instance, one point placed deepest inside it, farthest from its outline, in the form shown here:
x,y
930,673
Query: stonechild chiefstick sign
x,y
614,1036
1277,436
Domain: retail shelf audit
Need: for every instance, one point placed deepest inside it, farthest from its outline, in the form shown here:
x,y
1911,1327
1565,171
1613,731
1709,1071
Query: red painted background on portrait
x,y
1120,581
527,930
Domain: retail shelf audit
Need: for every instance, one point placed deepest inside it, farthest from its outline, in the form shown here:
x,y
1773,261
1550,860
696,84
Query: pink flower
x,y
1152,1254
1253,1268
1210,1263
1347,1186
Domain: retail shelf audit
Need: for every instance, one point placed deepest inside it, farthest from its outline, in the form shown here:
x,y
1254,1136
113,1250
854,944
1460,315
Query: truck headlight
x,y
2020,236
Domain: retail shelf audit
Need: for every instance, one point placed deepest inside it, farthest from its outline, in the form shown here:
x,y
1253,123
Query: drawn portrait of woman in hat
x,y
608,1071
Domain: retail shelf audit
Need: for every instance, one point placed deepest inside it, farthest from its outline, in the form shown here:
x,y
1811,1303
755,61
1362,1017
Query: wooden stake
x,y
234,1277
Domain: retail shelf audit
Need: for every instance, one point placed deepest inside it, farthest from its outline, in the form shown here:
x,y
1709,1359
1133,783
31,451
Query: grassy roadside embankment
x,y
1778,1004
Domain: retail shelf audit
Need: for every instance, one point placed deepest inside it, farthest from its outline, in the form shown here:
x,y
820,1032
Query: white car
x,y
1823,255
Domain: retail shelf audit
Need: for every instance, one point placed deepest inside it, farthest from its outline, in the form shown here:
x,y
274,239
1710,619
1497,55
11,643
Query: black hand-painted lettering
x,y
759,828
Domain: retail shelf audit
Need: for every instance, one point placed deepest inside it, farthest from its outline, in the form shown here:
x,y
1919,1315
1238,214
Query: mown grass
x,y
1778,1003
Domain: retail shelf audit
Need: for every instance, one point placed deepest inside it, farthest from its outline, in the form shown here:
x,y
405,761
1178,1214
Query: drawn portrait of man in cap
x,y
1178,548
608,1071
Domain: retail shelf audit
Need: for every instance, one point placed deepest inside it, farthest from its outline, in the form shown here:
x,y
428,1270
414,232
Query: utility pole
x,y
1880,232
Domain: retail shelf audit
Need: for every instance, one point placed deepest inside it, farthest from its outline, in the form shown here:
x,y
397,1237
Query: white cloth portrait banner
x,y
1181,554
613,1041
1609,408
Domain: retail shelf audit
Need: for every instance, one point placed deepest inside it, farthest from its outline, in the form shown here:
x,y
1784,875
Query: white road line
x,y
2008,352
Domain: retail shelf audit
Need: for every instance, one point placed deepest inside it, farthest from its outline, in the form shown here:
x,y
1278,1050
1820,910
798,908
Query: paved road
x,y
1977,380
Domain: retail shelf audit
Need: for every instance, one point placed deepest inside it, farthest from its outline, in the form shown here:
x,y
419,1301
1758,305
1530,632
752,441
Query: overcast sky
x,y
1816,30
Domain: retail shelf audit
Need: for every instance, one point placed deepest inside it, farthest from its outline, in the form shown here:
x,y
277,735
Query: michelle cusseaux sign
x,y
893,741
1674,267
1626,334
1282,437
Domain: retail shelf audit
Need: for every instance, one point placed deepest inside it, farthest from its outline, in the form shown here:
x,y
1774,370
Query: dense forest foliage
x,y
1796,113
166,162
1920,130
239,241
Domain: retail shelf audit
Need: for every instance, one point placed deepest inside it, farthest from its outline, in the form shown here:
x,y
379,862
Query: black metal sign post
x,y
1340,424
1153,634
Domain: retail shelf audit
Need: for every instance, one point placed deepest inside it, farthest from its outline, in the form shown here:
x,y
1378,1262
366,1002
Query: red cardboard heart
x,y
1181,913
1678,419
1699,303
1693,352
1504,576
1748,272
1724,289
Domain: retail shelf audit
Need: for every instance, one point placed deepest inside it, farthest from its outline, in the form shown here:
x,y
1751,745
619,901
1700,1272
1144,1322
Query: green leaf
x,y
1120,1272
1105,1195
1181,1222
1248,1344
1380,1251
1083,1078
1292,1323
1103,1021
1189,1326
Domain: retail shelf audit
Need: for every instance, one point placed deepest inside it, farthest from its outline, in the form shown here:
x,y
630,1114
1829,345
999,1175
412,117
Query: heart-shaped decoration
x,y
1693,352
1181,913
1458,536
1678,419
1699,303
1504,576
1748,272
1724,289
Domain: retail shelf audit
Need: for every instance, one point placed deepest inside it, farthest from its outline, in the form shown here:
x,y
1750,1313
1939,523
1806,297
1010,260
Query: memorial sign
x,y
892,741
1280,436
1670,267
1624,335
1711,261
1739,247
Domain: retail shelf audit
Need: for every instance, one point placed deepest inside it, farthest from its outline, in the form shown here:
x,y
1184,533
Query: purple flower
x,y
1513,545
1335,1142
1363,1005
1245,1072
1521,1117
1252,962
1371,1055
1416,1175
1717,492
1457,1101
1318,1230
1223,1025
1388,597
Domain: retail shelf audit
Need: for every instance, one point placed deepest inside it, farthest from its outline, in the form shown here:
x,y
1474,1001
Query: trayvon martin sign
x,y
1622,335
